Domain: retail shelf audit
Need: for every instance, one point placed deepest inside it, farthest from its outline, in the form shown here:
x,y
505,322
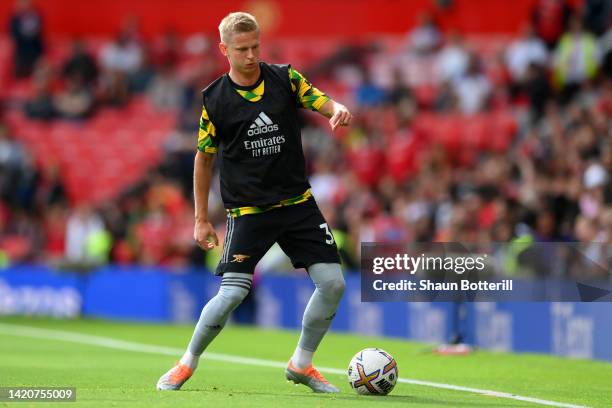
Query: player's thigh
x,y
247,240
307,238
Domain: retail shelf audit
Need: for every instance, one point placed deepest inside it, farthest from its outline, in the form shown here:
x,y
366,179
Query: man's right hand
x,y
205,235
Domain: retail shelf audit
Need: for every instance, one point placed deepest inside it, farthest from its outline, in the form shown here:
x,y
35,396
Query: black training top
x,y
256,130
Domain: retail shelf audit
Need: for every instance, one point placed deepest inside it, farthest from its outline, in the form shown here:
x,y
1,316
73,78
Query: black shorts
x,y
300,230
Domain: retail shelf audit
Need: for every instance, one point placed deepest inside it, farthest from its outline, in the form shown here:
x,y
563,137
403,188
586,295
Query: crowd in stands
x,y
404,171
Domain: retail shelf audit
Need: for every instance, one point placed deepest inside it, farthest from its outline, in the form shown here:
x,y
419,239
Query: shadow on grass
x,y
369,399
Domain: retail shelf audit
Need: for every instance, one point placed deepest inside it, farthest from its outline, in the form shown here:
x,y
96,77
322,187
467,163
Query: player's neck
x,y
244,79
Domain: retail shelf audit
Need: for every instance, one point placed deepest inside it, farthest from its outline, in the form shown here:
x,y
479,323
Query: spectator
x,y
40,106
523,52
11,152
368,93
83,226
81,65
593,262
54,227
76,102
12,164
166,90
446,98
50,190
114,89
425,38
324,181
23,184
550,18
537,88
606,226
606,51
22,237
399,92
122,55
473,88
26,29
597,15
577,58
120,61
453,59
166,50
592,199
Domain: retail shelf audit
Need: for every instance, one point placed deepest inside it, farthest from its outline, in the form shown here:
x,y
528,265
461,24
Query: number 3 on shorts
x,y
328,234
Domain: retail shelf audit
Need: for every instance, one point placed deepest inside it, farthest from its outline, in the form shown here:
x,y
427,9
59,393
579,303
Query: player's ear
x,y
223,48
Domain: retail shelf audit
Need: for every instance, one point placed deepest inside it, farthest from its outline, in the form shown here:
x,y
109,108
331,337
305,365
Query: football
x,y
372,371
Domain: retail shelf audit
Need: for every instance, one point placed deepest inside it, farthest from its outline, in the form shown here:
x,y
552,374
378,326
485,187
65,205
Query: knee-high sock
x,y
320,310
234,288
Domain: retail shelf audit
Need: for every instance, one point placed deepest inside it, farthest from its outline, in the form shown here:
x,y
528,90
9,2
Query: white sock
x,y
190,360
301,358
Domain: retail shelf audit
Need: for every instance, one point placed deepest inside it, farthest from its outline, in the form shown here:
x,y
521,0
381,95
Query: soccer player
x,y
250,116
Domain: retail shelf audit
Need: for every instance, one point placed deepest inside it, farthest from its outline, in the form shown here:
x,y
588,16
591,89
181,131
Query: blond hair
x,y
239,22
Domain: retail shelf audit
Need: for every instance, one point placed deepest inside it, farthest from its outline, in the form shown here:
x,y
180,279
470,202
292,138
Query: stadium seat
x,y
98,158
475,132
401,158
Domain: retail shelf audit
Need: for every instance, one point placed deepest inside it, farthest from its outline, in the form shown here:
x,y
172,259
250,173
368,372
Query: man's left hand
x,y
341,116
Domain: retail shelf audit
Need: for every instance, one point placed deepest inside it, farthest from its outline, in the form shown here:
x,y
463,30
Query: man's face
x,y
242,51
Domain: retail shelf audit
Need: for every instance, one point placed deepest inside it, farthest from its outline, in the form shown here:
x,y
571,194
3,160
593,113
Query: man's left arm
x,y
337,113
311,98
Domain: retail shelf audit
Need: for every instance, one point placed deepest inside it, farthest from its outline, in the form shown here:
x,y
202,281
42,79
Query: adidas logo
x,y
262,124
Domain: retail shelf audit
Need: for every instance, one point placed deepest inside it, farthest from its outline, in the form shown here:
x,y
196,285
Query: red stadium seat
x,y
367,164
401,158
100,157
504,129
475,132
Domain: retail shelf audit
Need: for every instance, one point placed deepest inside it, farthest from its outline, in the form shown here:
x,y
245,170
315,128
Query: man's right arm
x,y
202,175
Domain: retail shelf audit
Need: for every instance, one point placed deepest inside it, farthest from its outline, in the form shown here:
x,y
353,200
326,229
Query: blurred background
x,y
474,122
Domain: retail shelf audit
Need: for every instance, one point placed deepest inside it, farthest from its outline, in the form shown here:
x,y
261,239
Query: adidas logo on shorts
x,y
262,124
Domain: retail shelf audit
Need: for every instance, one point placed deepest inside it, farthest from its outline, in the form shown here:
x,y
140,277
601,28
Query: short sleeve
x,y
307,96
208,142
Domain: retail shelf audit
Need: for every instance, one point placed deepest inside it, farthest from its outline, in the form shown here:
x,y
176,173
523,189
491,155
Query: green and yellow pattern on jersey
x,y
253,95
308,96
207,135
237,212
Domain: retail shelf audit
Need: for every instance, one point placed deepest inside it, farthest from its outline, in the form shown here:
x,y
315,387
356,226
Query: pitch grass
x,y
113,378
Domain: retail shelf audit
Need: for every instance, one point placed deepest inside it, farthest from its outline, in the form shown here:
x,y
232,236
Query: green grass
x,y
107,377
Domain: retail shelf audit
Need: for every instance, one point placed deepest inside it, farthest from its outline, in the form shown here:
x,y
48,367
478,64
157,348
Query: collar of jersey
x,y
252,93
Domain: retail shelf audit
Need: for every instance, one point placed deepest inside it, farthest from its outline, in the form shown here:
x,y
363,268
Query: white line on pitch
x,y
61,335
